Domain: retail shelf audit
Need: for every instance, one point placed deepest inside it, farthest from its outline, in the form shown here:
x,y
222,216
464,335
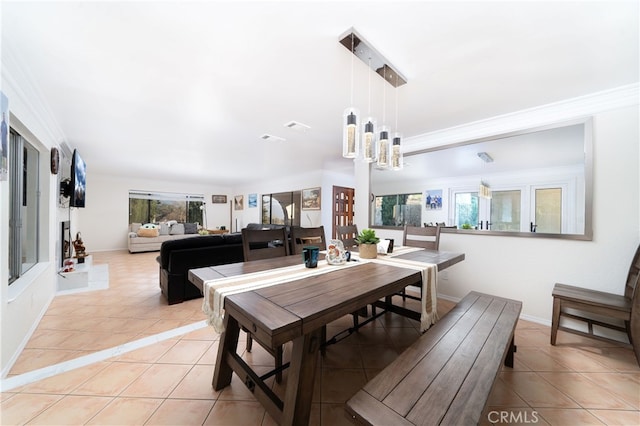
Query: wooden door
x,y
343,202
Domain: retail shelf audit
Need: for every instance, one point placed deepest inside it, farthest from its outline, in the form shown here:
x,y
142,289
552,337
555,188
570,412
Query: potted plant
x,y
367,244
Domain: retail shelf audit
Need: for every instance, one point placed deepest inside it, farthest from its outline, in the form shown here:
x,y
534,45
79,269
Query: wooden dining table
x,y
297,311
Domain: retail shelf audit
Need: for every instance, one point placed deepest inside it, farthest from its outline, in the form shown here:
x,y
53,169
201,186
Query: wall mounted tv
x,y
78,182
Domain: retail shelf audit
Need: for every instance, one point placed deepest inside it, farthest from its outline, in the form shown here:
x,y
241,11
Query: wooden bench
x,y
446,376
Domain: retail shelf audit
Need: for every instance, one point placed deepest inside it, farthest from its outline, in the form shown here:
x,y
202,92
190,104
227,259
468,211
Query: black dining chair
x,y
347,234
265,244
301,237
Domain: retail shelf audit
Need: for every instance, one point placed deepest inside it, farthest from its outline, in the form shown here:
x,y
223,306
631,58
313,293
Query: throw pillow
x,y
134,227
177,229
190,228
164,228
148,232
149,226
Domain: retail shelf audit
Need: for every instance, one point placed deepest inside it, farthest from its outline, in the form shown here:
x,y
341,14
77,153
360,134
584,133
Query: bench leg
x,y
508,361
555,320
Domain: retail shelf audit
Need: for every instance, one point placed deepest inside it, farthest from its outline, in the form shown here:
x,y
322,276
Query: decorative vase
x,y
368,251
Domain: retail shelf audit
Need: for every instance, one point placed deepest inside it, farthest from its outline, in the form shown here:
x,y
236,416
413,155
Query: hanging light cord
x,y
369,74
384,95
352,55
396,104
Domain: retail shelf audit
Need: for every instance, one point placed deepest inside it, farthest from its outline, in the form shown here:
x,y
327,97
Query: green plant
x,y
466,226
367,236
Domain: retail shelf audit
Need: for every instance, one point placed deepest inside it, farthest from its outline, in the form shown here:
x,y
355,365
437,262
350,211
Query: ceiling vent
x,y
295,125
271,138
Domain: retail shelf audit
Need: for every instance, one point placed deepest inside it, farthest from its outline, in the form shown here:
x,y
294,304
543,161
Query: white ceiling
x,y
184,90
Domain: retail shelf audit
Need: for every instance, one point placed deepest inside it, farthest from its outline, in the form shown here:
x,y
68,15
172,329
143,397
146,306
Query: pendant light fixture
x,y
369,131
396,148
374,151
383,140
484,191
351,132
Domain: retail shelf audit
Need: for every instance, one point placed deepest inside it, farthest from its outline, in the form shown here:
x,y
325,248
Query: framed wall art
x,y
311,199
219,199
238,202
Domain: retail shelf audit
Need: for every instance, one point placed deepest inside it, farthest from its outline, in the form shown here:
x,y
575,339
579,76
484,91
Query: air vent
x,y
271,138
294,125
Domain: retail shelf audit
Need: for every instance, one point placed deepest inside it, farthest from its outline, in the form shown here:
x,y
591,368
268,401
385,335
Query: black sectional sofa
x,y
178,256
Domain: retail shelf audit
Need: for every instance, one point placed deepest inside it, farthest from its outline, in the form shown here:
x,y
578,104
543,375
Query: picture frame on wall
x,y
219,199
433,199
253,200
311,199
238,202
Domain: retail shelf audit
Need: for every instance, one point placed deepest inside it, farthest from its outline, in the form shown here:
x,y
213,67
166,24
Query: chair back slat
x,y
632,291
347,234
264,243
427,237
301,237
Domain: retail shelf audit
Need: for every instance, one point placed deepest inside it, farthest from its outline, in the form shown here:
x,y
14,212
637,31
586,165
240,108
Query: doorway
x,y
343,202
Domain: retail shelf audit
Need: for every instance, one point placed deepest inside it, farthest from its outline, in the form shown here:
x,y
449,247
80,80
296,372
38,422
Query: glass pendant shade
x,y
383,148
396,153
351,133
484,191
369,141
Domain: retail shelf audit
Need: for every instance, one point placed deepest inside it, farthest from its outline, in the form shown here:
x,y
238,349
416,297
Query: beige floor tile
x,y
338,385
72,410
181,412
112,380
196,384
126,411
64,383
149,353
21,408
575,358
33,359
503,396
342,355
535,359
617,417
584,391
238,413
536,391
158,381
209,357
378,356
206,333
625,386
185,352
564,416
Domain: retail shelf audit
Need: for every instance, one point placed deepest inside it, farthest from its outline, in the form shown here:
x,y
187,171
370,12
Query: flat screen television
x,y
78,181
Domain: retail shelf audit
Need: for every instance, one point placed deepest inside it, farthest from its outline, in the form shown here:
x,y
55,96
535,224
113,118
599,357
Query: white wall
x,y
105,219
24,302
527,268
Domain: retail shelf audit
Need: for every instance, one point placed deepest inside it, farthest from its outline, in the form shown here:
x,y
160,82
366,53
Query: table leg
x,y
300,380
228,344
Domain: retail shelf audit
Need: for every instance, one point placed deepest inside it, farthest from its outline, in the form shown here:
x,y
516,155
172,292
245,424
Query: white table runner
x,y
216,290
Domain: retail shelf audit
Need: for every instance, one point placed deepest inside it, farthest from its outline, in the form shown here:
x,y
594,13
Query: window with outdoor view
x,y
156,207
397,210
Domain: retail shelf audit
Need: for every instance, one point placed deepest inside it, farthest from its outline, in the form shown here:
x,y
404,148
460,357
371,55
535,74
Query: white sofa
x,y
139,241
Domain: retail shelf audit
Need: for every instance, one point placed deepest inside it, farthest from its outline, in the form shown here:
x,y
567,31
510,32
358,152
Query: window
x,y
155,207
397,210
548,210
505,211
282,208
24,163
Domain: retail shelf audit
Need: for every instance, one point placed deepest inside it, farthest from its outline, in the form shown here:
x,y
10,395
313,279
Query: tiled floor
x,y
98,379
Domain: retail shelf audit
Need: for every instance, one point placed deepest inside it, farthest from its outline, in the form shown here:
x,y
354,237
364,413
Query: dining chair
x,y
427,237
301,237
265,244
347,234
606,310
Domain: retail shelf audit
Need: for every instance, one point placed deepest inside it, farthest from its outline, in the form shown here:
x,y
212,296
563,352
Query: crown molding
x,y
544,115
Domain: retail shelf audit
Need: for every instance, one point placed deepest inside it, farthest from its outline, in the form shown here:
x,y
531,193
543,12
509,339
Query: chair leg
x,y
249,342
278,356
555,319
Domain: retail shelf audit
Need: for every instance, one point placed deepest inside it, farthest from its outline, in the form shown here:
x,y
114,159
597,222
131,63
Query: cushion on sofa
x,y
177,229
235,238
187,243
148,232
190,228
133,227
164,228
